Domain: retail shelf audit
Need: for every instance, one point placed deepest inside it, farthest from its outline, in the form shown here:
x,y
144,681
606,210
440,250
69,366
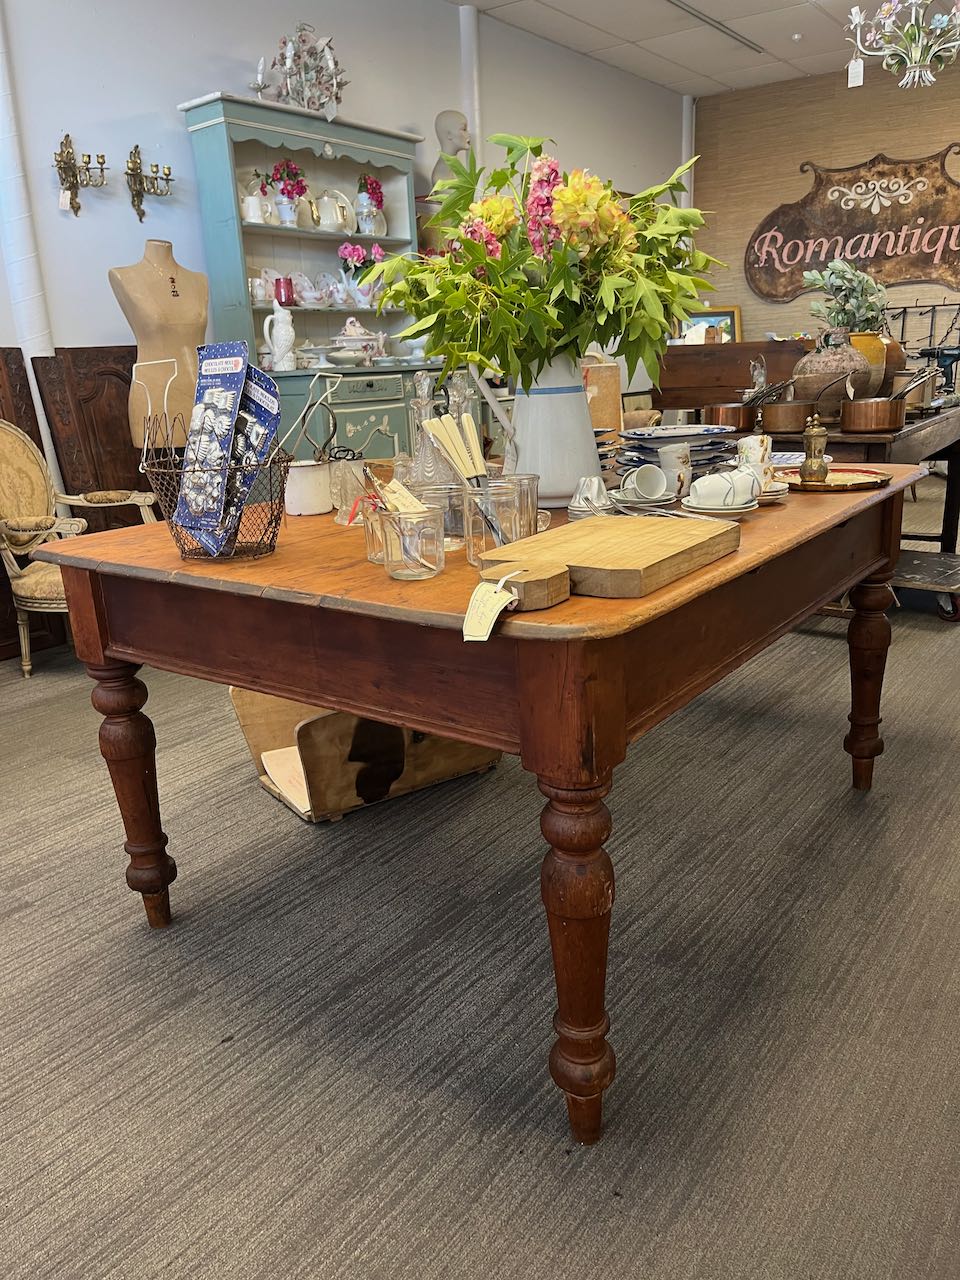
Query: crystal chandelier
x,y
907,40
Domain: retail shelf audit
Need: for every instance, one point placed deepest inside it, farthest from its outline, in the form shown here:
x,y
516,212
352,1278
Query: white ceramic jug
x,y
280,337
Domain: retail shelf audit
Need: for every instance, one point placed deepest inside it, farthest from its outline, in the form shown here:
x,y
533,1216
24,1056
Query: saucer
x,y
629,498
725,513
776,493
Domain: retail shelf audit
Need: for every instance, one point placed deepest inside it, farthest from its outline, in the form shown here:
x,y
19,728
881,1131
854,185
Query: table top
x,y
320,563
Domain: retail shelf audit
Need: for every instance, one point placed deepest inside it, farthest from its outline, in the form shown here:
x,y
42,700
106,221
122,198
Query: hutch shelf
x,y
232,136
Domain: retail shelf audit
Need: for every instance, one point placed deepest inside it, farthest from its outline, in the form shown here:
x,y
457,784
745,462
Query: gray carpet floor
x,y
334,1065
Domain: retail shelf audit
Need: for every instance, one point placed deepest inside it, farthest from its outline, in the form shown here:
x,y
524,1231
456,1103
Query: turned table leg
x,y
577,886
868,636
128,744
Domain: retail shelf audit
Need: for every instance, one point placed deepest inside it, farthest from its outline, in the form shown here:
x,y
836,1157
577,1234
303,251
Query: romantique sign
x,y
898,220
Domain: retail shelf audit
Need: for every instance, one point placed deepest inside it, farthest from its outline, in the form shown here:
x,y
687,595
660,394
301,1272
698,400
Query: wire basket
x,y
262,485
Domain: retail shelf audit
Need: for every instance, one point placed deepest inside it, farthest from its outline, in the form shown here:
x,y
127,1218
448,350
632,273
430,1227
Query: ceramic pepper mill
x,y
814,467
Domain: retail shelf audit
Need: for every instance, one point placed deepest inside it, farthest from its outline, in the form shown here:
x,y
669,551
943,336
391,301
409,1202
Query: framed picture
x,y
726,320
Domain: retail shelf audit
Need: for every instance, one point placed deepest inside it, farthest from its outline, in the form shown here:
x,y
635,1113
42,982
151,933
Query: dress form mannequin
x,y
166,307
453,134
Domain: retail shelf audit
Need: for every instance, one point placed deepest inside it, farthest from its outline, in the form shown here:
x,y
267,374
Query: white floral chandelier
x,y
907,40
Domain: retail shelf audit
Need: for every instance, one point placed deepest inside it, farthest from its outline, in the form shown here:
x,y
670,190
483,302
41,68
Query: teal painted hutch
x,y
231,137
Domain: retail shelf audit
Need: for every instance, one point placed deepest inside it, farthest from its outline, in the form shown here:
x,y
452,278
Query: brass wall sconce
x,y
155,183
73,176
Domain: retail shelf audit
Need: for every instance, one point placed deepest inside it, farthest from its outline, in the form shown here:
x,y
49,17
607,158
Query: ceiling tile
x,y
704,50
838,9
630,57
698,87
721,10
629,19
532,16
820,63
750,77
776,31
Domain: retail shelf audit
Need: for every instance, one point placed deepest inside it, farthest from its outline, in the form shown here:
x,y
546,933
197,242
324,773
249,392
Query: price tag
x,y
64,199
399,498
486,605
855,72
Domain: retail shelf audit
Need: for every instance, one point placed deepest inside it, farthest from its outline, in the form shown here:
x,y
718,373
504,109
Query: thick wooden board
x,y
619,558
539,586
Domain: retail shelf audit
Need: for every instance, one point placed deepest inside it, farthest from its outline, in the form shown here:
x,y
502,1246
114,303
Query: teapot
x,y
330,212
280,337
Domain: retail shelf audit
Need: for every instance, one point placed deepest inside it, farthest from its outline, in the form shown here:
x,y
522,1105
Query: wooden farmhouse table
x,y
566,689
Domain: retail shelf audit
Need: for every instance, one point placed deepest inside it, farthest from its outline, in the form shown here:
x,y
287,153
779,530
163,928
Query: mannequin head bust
x,y
453,132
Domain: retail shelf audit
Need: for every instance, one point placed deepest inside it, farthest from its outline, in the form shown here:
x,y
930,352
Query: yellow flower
x,y
587,212
498,212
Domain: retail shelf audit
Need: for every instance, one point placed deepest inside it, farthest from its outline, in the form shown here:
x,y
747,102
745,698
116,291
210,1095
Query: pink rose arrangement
x,y
373,189
355,257
287,177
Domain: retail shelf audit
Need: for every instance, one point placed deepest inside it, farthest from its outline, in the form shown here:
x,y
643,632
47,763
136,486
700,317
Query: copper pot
x,y
787,415
876,414
742,417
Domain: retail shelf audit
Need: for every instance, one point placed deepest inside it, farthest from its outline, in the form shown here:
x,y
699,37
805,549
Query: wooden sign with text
x,y
898,220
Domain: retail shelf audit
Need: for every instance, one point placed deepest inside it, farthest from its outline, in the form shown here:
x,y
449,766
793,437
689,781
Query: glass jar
x,y
449,498
373,535
412,543
491,517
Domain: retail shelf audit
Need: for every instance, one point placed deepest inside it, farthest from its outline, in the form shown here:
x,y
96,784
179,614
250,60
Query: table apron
x,y
423,678
680,654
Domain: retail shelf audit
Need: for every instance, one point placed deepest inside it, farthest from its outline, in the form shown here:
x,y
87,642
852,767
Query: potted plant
x,y
855,302
287,181
540,265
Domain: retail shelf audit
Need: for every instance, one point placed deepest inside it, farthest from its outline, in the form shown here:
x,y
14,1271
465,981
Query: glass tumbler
x,y
491,517
449,498
412,543
529,486
373,535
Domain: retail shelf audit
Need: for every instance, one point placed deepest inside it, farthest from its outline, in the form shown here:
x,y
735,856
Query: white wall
x,y
111,73
601,118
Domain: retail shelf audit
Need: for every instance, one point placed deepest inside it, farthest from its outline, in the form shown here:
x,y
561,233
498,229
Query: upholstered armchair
x,y
28,504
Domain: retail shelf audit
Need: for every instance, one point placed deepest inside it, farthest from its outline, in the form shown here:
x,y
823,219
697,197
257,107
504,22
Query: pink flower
x,y
376,253
353,255
541,229
479,231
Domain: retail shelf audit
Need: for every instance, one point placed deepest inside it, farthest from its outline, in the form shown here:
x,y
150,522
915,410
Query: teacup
x,y
647,481
754,448
674,455
725,489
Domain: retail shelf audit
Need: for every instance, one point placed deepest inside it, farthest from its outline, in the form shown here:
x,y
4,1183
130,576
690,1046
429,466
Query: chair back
x,y
25,485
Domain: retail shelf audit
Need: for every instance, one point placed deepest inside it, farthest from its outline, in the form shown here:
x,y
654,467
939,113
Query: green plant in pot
x,y
855,302
540,265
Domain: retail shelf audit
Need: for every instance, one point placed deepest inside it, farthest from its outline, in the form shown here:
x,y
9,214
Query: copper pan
x,y
742,417
787,415
875,414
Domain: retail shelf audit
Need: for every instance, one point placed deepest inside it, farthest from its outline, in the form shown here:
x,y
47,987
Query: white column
x,y
18,244
688,143
470,73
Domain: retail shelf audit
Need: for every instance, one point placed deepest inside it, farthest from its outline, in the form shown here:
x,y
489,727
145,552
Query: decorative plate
x,y
839,480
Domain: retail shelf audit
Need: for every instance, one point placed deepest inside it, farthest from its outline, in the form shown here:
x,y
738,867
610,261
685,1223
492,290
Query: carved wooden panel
x,y
16,406
85,392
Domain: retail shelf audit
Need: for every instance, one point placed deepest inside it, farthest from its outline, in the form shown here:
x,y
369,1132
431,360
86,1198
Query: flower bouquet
x,y
357,259
542,264
287,180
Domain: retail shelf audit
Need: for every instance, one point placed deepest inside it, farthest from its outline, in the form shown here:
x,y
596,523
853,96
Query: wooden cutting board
x,y
618,557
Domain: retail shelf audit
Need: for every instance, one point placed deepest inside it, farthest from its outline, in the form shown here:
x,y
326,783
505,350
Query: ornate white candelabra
x,y
910,43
